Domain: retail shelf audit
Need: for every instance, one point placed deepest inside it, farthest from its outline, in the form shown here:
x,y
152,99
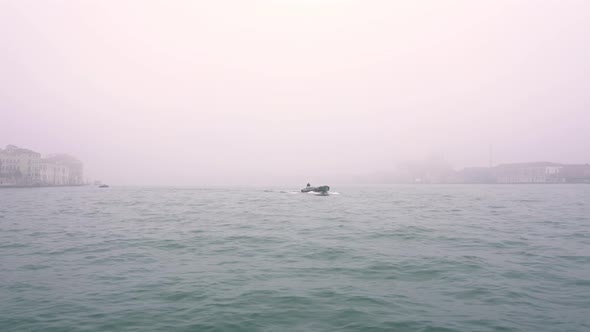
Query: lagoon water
x,y
369,258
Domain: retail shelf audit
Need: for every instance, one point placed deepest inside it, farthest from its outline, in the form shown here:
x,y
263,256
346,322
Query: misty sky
x,y
207,92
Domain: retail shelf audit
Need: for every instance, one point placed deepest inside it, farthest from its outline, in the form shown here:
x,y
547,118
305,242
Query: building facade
x,y
536,172
66,164
23,167
540,172
19,166
576,173
54,174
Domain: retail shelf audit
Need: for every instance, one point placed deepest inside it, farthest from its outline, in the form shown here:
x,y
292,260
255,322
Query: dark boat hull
x,y
320,189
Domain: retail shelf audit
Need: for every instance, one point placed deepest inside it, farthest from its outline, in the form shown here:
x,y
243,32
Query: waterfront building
x,y
537,172
19,166
576,173
72,166
54,173
23,167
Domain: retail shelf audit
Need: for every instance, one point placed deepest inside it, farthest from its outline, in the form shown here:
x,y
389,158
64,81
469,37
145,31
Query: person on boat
x,y
308,184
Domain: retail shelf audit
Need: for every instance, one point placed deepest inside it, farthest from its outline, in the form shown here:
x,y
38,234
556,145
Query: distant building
x,y
576,173
54,174
537,172
23,167
70,165
19,166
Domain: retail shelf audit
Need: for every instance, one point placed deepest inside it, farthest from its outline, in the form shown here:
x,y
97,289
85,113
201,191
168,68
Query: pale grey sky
x,y
205,92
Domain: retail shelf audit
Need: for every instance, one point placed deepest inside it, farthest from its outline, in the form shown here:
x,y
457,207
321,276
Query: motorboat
x,y
320,189
103,186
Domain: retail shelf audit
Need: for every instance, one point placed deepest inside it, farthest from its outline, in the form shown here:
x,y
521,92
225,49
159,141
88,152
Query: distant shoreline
x,y
350,184
43,186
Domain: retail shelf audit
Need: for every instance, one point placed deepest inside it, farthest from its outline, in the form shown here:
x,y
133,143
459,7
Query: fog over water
x,y
262,92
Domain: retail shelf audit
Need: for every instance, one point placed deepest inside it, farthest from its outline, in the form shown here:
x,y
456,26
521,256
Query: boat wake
x,y
298,192
322,193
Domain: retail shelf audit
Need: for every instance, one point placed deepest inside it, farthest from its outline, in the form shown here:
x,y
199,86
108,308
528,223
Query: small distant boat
x,y
103,186
320,189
